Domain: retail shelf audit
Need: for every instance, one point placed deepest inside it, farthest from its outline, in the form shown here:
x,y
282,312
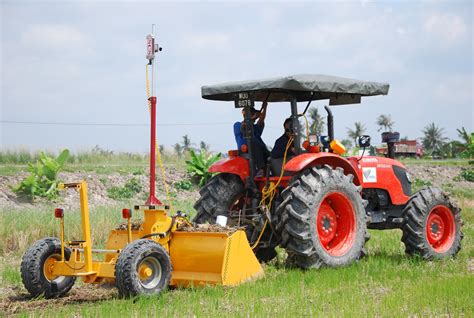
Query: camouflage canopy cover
x,y
303,87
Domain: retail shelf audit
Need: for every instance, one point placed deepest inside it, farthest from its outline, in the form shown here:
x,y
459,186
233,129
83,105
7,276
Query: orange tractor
x,y
319,204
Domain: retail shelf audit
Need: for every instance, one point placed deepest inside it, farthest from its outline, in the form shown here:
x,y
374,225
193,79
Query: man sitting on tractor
x,y
260,150
281,143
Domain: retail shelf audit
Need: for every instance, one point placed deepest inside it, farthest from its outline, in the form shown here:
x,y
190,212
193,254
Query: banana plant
x,y
42,181
199,165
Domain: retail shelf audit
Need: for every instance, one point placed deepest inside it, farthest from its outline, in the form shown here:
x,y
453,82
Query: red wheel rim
x,y
440,228
336,223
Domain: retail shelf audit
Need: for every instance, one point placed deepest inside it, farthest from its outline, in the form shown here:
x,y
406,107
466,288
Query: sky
x,y
79,67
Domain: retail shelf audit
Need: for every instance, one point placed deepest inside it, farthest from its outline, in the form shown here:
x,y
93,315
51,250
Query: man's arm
x,y
239,138
263,114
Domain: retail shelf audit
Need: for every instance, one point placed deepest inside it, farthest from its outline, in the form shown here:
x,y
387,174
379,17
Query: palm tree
x,y
433,140
347,143
464,135
204,146
385,123
186,144
178,149
316,125
358,130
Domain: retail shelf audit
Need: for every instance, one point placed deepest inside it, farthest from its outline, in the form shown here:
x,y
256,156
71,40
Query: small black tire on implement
x,y
36,269
322,219
432,225
143,268
217,197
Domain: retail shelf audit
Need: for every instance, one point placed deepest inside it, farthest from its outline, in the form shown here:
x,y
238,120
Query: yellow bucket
x,y
212,258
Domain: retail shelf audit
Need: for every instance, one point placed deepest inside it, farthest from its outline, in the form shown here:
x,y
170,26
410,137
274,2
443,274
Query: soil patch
x,y
210,228
439,176
98,185
15,300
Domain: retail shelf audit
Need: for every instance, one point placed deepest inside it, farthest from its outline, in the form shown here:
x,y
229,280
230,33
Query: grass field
x,y
386,283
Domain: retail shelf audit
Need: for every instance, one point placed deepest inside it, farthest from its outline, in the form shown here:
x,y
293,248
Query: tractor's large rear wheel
x,y
220,196
432,225
322,219
224,195
37,269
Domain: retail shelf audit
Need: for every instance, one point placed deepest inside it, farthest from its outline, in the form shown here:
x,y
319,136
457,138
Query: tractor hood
x,y
303,87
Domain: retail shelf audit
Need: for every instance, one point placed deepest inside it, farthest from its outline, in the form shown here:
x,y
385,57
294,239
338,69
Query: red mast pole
x,y
152,200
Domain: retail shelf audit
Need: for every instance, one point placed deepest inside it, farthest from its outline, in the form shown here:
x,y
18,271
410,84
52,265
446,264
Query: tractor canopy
x,y
303,87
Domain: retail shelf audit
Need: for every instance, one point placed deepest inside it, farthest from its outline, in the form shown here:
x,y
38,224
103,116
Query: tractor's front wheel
x,y
143,268
37,269
432,225
322,219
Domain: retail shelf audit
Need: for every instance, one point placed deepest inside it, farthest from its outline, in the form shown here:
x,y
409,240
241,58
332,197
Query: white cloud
x,y
208,40
328,37
448,28
55,36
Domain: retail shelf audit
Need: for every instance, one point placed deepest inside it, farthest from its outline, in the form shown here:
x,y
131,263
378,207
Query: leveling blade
x,y
212,258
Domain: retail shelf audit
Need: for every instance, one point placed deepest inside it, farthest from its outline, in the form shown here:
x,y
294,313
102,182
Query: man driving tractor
x,y
281,143
261,152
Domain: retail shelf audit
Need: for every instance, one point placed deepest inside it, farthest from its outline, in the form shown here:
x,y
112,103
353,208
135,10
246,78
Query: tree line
x,y
434,141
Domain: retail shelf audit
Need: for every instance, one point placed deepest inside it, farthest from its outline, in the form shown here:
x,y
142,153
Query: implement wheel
x,y
36,269
432,225
143,268
322,219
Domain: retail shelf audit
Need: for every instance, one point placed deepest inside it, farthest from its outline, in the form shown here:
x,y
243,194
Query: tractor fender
x,y
234,165
307,160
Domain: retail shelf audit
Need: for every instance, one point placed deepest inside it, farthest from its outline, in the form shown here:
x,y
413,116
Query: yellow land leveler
x,y
163,250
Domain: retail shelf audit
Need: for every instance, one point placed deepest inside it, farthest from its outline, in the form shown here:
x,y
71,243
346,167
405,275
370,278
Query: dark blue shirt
x,y
239,136
278,150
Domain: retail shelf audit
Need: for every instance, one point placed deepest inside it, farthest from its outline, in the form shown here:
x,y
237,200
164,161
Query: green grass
x,y
386,283
97,160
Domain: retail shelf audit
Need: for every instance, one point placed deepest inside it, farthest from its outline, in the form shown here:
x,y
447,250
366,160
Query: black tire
x,y
416,214
134,255
33,272
298,214
217,197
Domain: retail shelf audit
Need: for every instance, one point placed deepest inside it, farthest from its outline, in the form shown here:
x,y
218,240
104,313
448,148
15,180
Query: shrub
x,y
467,174
42,181
128,191
417,184
199,165
183,185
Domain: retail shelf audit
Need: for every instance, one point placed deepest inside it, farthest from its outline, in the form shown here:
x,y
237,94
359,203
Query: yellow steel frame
x,y
81,262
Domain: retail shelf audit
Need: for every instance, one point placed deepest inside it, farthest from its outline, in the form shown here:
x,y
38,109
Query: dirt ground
x,y
97,185
15,299
439,175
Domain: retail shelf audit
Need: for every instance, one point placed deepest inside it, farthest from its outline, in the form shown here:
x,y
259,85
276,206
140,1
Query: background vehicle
x,y
320,206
